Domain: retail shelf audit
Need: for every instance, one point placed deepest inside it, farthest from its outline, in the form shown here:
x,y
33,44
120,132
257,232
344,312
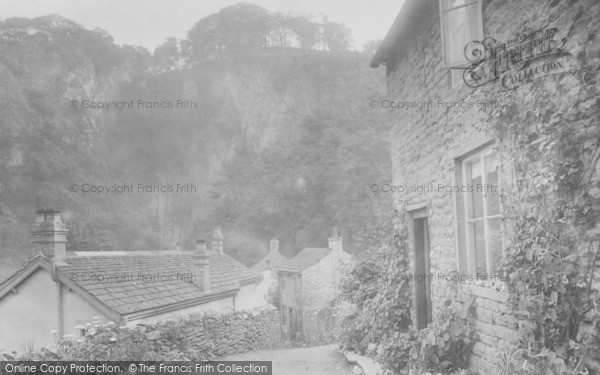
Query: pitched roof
x,y
26,270
223,268
275,258
131,282
304,259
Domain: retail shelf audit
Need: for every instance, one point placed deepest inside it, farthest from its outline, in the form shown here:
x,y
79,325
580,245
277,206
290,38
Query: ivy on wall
x,y
381,324
552,209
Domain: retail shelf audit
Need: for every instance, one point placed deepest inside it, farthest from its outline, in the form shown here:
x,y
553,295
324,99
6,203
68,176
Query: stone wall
x,y
426,141
218,335
196,337
495,322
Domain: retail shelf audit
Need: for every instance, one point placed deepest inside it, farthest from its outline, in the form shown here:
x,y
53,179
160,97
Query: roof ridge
x,y
131,253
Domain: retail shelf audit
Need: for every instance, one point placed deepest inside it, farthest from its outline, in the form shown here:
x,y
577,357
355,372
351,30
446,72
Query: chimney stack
x,y
49,235
203,260
217,243
274,245
335,241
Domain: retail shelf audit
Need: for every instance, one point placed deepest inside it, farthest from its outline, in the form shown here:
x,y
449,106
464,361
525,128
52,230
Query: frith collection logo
x,y
516,62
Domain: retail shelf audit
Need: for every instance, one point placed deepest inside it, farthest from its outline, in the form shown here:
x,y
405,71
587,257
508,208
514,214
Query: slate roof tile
x,y
275,259
304,259
138,281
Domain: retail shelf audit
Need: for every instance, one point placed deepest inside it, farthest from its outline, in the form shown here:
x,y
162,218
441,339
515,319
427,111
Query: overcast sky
x,y
149,22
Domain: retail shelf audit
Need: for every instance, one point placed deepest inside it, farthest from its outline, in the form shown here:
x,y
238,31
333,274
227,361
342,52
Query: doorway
x,y
422,269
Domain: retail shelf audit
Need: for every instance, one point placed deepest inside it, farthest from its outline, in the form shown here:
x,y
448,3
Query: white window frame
x,y
467,210
457,65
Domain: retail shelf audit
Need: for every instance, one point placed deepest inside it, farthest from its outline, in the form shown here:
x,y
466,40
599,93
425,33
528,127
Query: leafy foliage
x,y
273,296
374,285
554,210
245,27
258,93
445,344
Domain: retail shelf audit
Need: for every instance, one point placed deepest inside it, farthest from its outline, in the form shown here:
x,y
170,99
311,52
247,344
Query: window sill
x,y
497,293
464,64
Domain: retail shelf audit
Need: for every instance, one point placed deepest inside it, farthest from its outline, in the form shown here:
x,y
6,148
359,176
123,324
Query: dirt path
x,y
317,360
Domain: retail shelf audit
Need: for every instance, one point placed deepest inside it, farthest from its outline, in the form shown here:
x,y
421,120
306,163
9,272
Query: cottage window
x,y
461,23
481,206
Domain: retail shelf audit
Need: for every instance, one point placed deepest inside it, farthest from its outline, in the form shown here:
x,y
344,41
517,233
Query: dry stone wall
x,y
218,335
196,337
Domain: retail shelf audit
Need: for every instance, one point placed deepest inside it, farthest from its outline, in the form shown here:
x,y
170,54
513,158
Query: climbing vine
x,y
381,324
380,296
553,213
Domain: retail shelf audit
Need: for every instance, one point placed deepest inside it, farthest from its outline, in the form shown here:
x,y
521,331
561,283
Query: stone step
x,y
368,366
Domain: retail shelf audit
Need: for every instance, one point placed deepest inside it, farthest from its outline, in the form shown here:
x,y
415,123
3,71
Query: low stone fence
x,y
218,335
196,337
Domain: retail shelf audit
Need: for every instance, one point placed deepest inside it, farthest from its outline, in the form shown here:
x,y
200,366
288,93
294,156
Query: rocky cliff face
x,y
62,130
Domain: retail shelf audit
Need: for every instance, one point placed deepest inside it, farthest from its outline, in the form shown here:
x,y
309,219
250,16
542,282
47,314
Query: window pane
x,y
479,247
495,245
473,14
476,194
455,34
461,26
491,189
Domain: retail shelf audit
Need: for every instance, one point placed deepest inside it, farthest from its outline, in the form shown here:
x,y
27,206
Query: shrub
x,y
445,344
272,296
325,325
196,338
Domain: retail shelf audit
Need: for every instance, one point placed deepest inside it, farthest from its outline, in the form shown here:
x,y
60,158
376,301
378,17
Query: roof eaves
x,y
87,296
290,272
400,31
21,274
180,305
250,280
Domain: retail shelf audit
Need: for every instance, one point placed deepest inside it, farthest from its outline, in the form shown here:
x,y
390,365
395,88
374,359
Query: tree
x,y
232,30
167,55
370,47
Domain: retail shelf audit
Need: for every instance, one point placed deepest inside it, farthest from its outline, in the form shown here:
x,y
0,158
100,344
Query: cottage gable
x,y
121,286
305,259
273,260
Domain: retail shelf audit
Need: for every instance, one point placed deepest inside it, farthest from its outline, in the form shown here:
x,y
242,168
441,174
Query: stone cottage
x,y
59,290
452,67
268,266
273,260
307,282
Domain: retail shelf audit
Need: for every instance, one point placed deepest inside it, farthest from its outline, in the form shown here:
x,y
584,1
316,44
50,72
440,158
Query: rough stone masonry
x,y
426,140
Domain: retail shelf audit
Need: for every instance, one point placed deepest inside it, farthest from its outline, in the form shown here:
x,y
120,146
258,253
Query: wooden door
x,y
422,272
